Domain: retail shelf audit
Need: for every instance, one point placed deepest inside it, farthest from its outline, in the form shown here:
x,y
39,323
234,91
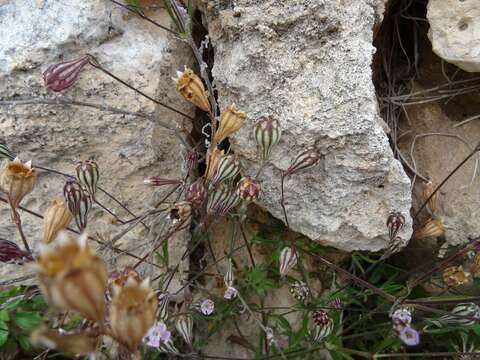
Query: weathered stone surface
x,y
454,32
308,64
35,34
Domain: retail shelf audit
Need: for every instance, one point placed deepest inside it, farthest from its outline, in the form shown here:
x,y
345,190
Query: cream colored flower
x,y
231,120
432,228
56,218
190,86
17,179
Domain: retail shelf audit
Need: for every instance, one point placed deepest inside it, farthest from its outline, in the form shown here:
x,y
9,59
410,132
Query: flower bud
x,y
323,325
5,152
395,222
432,228
56,218
228,278
454,276
11,252
78,203
288,260
17,179
158,181
231,120
180,212
248,189
190,86
227,168
306,159
222,200
72,277
164,300
63,75
458,316
184,325
168,347
214,156
207,307
87,175
299,290
196,193
132,312
267,133
428,190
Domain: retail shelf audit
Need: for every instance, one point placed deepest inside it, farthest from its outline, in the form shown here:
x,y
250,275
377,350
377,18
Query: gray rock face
x,y
127,149
454,32
307,63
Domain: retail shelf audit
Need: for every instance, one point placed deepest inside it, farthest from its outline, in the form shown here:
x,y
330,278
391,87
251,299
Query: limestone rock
x,y
35,34
454,32
307,63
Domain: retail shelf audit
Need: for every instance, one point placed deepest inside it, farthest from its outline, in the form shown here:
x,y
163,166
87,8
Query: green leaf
x,y
24,342
3,332
4,315
27,320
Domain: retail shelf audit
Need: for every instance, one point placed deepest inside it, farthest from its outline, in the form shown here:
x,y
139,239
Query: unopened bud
x,y
184,325
323,325
88,175
5,152
11,253
248,189
288,260
158,181
78,203
267,133
395,222
228,278
63,75
306,159
196,193
222,200
56,218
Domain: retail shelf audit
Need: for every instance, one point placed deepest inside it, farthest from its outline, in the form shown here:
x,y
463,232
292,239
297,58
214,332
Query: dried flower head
x,y
72,277
88,175
231,120
63,75
78,203
132,312
428,189
304,160
184,325
454,276
207,307
180,212
432,228
191,87
288,260
299,290
322,325
395,223
17,179
56,218
248,189
267,132
5,152
227,168
11,253
196,193
72,343
119,279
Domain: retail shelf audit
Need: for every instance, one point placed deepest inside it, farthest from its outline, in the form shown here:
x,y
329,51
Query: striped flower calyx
x,y
227,168
196,193
322,325
88,175
184,325
288,260
304,160
248,189
63,75
5,152
222,200
78,203
267,133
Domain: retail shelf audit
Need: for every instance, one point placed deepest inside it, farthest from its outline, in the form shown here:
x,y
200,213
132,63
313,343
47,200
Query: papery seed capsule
x,y
88,175
132,312
184,325
63,75
428,190
231,120
72,343
299,290
168,347
432,228
196,193
227,168
459,316
306,159
17,179
158,181
288,260
267,132
323,325
190,86
395,222
228,278
78,203
56,218
72,277
454,276
5,152
248,189
11,252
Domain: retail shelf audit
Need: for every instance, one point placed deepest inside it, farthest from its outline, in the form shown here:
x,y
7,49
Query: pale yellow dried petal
x,y
214,156
190,86
428,189
17,180
432,228
231,120
454,276
56,218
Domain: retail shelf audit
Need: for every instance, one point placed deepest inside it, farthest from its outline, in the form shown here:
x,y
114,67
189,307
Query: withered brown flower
x,y
17,179
231,120
191,87
475,267
72,277
56,218
454,276
432,228
132,312
214,156
427,191
71,343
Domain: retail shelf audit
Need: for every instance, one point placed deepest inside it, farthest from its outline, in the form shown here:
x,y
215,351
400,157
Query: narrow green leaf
x,y
3,333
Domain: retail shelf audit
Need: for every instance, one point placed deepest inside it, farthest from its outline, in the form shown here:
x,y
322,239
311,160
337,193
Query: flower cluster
x,y
402,325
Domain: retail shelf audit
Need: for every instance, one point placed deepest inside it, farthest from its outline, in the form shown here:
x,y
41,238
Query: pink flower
x,y
207,306
157,335
230,293
409,336
63,75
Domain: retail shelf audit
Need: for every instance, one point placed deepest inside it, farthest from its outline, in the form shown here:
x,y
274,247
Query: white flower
x,y
230,293
157,335
207,306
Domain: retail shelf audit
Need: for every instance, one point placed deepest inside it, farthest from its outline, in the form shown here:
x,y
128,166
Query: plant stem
x,y
18,222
